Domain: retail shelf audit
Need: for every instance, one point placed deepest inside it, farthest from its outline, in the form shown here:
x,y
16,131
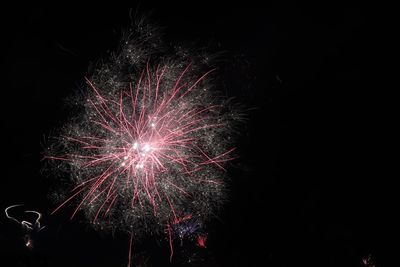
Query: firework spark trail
x,y
148,146
130,250
29,227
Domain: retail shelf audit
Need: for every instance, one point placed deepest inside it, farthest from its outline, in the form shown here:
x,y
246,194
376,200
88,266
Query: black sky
x,y
310,187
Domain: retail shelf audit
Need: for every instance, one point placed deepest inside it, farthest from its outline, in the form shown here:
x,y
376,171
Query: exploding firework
x,y
149,143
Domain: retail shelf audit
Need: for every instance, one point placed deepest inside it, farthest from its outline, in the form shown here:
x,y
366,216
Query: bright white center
x,y
146,148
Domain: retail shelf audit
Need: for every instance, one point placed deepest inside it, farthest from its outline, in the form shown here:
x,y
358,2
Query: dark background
x,y
311,186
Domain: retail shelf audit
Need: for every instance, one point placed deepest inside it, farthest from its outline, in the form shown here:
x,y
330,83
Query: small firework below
x,y
188,228
185,227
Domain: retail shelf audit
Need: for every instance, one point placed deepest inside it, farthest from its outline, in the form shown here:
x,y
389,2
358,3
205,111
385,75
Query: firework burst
x,y
150,141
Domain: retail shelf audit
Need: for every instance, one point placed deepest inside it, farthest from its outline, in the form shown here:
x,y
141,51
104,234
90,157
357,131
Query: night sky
x,y
310,186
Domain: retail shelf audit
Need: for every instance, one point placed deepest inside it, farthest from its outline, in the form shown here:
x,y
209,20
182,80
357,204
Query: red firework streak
x,y
201,240
146,128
